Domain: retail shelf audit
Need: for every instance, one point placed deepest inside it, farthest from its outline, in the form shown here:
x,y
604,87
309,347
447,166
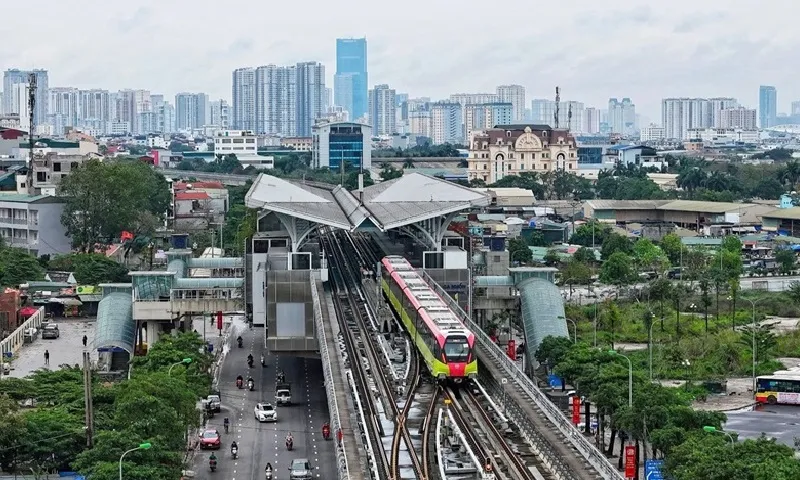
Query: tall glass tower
x,y
767,105
350,84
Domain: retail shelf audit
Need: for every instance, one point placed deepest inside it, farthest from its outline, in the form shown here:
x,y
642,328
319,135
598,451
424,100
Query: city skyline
x,y
693,60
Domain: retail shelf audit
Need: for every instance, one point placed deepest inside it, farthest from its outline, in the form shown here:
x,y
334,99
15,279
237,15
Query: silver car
x,y
265,412
50,330
300,469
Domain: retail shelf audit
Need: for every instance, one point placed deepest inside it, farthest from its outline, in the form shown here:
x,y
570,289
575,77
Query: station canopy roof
x,y
409,199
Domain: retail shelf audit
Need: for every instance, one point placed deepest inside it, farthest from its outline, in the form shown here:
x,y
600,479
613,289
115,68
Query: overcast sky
x,y
592,49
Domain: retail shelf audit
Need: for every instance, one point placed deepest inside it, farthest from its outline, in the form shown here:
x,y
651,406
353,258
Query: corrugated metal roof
x,y
783,213
115,326
704,207
626,204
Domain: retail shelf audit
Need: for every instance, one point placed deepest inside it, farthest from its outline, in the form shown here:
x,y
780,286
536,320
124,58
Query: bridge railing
x,y
12,343
330,389
498,357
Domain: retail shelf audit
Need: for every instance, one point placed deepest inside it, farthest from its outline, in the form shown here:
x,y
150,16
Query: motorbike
x,y
250,362
239,341
268,474
289,444
326,433
239,383
234,452
251,385
281,378
212,464
263,361
226,426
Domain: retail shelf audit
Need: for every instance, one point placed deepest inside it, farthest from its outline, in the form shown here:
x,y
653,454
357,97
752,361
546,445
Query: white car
x,y
265,412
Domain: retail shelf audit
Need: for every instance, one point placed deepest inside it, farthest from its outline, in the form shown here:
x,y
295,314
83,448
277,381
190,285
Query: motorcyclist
x,y
239,341
268,471
263,360
326,430
281,377
239,381
212,461
289,440
234,448
251,383
250,359
226,423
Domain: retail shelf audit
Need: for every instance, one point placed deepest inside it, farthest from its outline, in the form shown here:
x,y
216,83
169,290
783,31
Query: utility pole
x,y
87,396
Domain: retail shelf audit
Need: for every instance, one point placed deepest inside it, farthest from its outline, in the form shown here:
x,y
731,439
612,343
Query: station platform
x,y
347,412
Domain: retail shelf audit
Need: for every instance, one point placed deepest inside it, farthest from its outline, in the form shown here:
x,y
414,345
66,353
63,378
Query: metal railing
x,y
589,452
330,389
12,343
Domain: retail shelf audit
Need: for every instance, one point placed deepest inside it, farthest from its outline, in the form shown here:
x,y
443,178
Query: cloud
x,y
138,19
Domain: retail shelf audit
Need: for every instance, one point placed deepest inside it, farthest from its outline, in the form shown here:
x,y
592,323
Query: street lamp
x,y
686,363
574,327
185,361
650,343
753,334
630,376
142,446
710,429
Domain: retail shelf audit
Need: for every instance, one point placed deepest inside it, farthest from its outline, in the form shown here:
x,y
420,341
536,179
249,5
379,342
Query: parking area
x,y
65,349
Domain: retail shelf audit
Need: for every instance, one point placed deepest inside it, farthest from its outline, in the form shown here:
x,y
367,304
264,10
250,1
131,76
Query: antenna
x,y
569,116
31,127
558,104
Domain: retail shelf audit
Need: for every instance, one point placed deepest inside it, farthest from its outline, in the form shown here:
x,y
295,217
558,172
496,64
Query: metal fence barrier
x,y
589,452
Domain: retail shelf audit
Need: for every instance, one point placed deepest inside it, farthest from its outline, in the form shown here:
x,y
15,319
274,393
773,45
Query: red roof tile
x,y
192,196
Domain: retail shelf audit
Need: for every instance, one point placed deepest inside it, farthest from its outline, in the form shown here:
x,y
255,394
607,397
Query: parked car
x,y
214,402
210,439
265,412
50,330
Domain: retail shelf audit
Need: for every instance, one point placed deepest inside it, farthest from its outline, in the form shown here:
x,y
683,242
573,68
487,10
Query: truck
x,y
283,394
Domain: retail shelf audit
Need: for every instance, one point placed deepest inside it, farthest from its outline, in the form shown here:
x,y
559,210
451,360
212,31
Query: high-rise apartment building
x,y
276,100
310,85
486,115
191,111
419,123
17,98
95,110
382,110
244,99
350,83
219,114
446,123
164,115
63,108
740,117
14,77
515,95
591,120
796,107
622,116
651,133
767,106
679,115
543,112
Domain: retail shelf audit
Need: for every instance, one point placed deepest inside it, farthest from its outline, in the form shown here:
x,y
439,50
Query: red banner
x,y
219,320
512,350
630,461
576,409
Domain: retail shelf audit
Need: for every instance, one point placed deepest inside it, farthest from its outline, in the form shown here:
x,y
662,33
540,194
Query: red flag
x,y
219,320
576,410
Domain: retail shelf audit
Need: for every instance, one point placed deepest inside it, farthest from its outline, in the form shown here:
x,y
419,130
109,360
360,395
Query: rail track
x,y
347,265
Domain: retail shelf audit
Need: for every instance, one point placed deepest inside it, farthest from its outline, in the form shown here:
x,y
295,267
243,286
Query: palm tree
x,y
691,179
790,173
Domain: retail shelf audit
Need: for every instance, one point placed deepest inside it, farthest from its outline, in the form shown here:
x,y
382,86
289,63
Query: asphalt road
x,y
260,443
779,421
65,349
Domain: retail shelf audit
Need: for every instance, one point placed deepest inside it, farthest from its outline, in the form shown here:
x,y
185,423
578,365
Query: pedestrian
x,y
85,340
47,357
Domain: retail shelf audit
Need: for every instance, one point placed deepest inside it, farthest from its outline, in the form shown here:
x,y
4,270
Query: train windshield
x,y
456,348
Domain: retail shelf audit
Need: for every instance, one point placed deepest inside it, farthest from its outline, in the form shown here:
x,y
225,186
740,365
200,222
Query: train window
x,y
456,348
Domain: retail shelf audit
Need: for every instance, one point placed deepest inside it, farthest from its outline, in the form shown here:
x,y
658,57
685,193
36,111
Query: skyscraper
x,y
276,100
310,85
622,116
63,108
515,95
244,99
15,76
446,123
191,110
543,112
351,79
382,110
220,114
767,106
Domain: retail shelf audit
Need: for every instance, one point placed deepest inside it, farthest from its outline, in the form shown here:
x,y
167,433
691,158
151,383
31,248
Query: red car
x,y
210,439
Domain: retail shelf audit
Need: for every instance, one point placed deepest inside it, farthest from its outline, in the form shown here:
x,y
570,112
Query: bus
x,y
779,388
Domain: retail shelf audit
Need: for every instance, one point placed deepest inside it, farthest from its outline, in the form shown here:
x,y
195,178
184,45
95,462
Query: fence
x,y
11,344
499,358
330,389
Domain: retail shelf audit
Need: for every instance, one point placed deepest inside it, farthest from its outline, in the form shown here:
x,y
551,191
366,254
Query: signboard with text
x,y
576,410
653,470
630,462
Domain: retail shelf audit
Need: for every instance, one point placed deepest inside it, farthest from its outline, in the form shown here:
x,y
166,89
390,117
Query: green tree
x,y
585,255
17,266
106,198
731,243
388,172
616,243
576,273
552,258
590,234
618,269
518,251
91,268
52,438
552,350
786,259
673,248
537,239
649,257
